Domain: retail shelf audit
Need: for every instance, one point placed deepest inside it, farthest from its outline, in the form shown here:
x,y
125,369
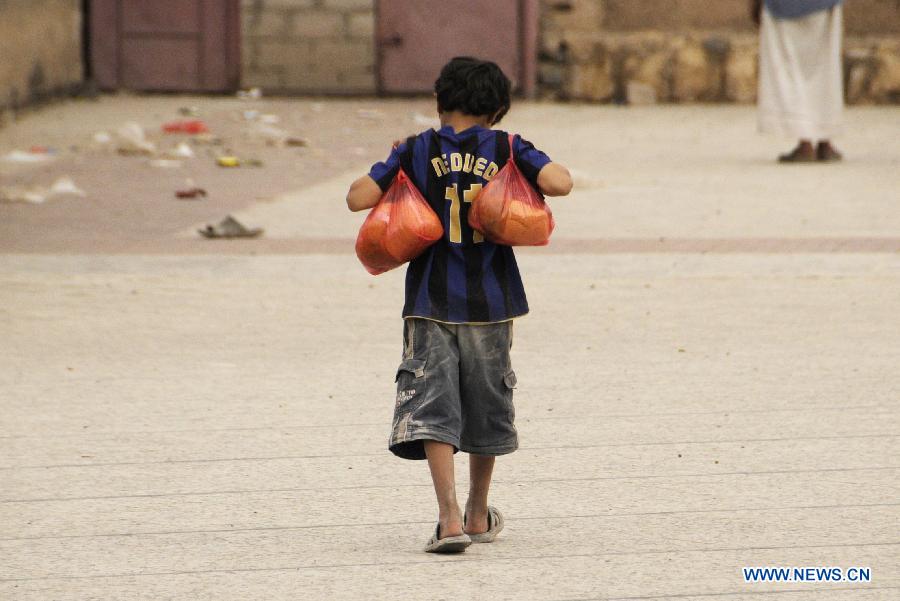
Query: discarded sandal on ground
x,y
495,525
230,228
450,544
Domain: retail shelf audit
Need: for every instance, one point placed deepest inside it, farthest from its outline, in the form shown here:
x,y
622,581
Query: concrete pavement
x,y
186,420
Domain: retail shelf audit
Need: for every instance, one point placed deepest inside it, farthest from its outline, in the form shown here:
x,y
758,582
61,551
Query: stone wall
x,y
40,50
309,46
643,51
635,51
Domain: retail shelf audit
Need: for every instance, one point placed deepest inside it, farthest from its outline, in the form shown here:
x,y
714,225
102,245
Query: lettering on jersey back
x,y
466,163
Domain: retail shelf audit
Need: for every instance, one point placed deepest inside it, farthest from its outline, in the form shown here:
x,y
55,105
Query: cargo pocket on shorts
x,y
509,382
410,386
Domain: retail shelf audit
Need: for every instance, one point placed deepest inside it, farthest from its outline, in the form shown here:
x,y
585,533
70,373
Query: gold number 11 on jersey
x,y
455,226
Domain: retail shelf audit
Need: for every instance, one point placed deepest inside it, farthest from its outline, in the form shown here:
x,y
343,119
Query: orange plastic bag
x,y
509,211
398,229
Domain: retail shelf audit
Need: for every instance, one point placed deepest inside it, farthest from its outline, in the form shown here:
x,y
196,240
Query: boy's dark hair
x,y
473,87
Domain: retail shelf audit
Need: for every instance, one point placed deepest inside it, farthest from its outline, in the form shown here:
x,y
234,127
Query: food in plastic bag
x,y
413,224
398,229
370,241
510,211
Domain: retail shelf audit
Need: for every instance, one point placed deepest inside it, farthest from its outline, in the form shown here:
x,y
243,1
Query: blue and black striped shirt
x,y
462,278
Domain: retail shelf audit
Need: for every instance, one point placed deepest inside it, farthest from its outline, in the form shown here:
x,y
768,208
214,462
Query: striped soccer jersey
x,y
461,278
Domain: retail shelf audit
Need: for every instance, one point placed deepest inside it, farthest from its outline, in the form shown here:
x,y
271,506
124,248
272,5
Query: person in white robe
x,y
800,74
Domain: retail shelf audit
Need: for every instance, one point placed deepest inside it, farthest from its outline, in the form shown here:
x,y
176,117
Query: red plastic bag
x,y
398,229
186,127
509,211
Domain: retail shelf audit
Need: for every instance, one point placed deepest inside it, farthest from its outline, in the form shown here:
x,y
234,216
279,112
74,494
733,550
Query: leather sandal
x,y
826,153
800,154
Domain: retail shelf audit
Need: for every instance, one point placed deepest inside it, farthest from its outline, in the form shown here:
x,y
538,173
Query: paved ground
x,y
708,379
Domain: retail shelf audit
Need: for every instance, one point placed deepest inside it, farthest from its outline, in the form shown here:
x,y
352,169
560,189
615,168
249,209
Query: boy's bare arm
x,y
364,194
554,180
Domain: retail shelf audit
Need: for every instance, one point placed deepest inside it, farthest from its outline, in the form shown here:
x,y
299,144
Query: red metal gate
x,y
416,37
166,45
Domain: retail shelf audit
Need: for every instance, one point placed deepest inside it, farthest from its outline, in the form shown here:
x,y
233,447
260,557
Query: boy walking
x,y
455,382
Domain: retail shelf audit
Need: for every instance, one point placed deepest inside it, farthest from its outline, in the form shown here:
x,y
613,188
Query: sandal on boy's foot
x,y
230,228
495,525
449,544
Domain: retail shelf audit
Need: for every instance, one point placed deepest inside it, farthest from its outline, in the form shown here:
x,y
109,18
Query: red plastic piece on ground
x,y
398,229
191,193
510,211
194,126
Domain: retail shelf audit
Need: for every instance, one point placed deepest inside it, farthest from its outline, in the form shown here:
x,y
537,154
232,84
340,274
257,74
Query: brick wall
x,y
40,50
594,50
644,51
309,46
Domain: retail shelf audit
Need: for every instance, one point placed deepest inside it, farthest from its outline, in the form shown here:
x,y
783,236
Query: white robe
x,y
800,75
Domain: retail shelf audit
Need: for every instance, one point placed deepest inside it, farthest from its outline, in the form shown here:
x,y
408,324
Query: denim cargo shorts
x,y
455,385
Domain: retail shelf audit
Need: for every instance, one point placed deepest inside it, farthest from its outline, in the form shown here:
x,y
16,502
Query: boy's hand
x,y
554,180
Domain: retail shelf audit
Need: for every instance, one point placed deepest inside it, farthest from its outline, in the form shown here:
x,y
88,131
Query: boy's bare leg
x,y
480,469
440,462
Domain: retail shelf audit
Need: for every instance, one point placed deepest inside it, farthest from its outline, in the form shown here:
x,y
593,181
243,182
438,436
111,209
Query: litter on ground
x,y
102,138
228,161
192,127
230,228
233,161
251,94
22,156
65,186
182,151
191,193
133,140
165,163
